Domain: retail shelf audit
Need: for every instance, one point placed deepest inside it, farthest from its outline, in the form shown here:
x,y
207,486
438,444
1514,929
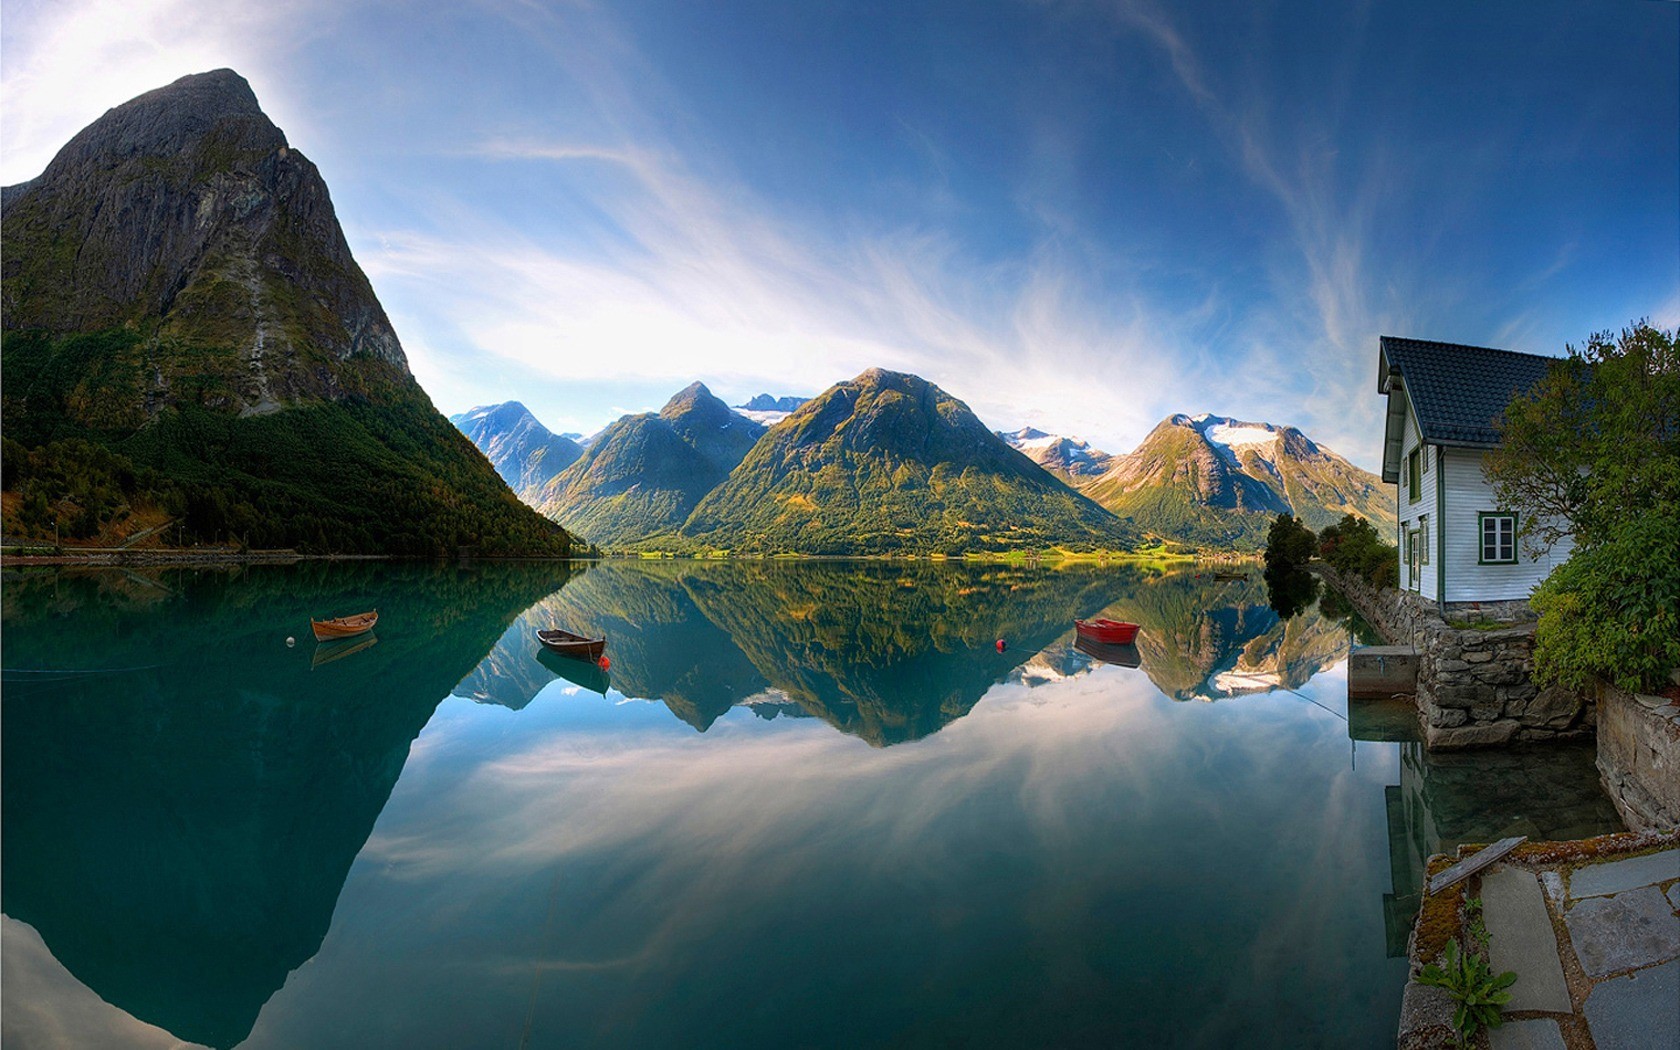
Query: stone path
x,y
1620,935
1595,944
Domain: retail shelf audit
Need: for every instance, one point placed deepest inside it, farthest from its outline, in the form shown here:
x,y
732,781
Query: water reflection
x,y
1447,799
189,806
891,653
178,831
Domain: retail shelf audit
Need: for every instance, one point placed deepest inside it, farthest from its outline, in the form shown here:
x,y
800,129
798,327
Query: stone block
x,y
1425,1017
1597,880
1632,929
1520,939
1447,717
1477,656
1451,665
1553,706
1640,1010
1489,735
1536,1033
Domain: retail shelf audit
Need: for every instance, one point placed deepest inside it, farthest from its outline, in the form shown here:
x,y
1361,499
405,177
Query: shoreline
x,y
107,557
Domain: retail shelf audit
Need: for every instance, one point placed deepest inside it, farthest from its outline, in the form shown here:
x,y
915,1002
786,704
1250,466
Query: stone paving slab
x,y
1619,875
1674,895
1538,1033
1635,928
1638,1011
1520,938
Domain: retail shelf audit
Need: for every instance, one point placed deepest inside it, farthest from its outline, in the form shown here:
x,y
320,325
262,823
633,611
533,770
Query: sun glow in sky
x,y
1080,216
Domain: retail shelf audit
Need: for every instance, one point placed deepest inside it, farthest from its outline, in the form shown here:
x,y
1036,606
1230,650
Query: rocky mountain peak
x,y
185,213
168,120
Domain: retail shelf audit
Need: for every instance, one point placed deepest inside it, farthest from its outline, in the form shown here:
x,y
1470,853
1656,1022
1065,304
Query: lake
x,y
808,804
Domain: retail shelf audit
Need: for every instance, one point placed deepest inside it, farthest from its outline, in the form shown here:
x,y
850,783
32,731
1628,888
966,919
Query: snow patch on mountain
x,y
1234,435
766,417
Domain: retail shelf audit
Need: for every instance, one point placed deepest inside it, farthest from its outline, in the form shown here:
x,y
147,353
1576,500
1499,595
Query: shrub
x,y
1610,611
1353,546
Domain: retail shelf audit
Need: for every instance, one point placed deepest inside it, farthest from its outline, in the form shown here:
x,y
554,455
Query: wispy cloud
x,y
66,63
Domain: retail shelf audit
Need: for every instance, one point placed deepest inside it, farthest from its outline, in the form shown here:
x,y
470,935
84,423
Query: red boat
x,y
1109,632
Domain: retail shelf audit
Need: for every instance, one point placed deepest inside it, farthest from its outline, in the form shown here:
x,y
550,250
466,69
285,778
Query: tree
x,y
1289,544
1593,452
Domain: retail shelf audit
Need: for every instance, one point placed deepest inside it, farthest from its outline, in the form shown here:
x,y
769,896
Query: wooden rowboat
x,y
1109,632
568,644
344,626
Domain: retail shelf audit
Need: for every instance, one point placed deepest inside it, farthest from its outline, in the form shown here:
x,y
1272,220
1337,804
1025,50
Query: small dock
x,y
1378,672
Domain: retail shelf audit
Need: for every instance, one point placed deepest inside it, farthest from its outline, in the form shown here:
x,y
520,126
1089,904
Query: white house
x,y
1458,547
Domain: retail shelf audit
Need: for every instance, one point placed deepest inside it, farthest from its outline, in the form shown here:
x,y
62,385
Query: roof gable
x,y
1457,392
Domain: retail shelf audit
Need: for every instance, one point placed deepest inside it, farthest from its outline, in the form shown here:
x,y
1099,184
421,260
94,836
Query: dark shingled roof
x,y
1458,391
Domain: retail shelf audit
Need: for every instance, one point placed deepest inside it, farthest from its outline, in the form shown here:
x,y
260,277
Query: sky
x,y
1082,216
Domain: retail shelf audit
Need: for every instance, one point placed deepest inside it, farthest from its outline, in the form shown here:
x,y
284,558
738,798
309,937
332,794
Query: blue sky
x,y
1083,216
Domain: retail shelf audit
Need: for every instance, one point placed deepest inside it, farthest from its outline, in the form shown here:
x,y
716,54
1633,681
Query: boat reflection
x,y
328,652
585,674
1126,655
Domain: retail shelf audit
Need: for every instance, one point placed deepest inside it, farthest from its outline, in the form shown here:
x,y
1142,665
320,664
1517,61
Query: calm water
x,y
810,805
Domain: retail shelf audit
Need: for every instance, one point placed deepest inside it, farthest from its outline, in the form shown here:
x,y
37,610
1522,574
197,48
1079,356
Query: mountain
x,y
770,410
523,451
1218,482
1068,458
889,462
188,340
766,403
643,474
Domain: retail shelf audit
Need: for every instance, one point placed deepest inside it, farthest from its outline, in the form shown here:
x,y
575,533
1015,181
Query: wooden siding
x,y
1410,512
1467,495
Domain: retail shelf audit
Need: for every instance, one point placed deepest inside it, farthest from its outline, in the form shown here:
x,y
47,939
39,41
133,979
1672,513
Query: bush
x,y
1593,451
1353,546
1610,611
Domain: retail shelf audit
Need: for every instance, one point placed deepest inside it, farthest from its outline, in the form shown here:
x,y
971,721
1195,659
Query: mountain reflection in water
x,y
891,652
191,809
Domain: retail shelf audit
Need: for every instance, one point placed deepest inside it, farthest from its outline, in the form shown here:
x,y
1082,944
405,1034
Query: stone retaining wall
x,y
1474,688
1639,757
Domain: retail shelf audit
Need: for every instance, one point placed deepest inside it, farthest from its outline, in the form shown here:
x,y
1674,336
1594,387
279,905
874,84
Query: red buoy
x,y
1000,645
604,662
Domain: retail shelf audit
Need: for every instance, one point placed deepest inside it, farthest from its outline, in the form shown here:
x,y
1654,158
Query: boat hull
x,y
343,626
1108,632
576,646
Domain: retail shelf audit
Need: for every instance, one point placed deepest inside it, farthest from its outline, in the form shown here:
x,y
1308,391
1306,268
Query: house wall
x,y
1465,494
1410,513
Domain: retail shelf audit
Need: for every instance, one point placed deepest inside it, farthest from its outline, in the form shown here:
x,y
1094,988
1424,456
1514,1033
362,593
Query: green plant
x,y
1473,919
1471,982
1593,452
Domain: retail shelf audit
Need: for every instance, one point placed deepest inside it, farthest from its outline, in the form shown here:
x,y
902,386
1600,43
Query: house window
x,y
1499,538
1412,572
1423,538
1414,474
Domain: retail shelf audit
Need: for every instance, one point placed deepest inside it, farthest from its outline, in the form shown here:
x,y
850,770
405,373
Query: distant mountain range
x,y
644,474
190,346
1218,482
770,410
1070,459
522,450
889,462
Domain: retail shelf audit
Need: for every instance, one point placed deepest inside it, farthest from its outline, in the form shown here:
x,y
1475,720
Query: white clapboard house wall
x,y
1458,546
